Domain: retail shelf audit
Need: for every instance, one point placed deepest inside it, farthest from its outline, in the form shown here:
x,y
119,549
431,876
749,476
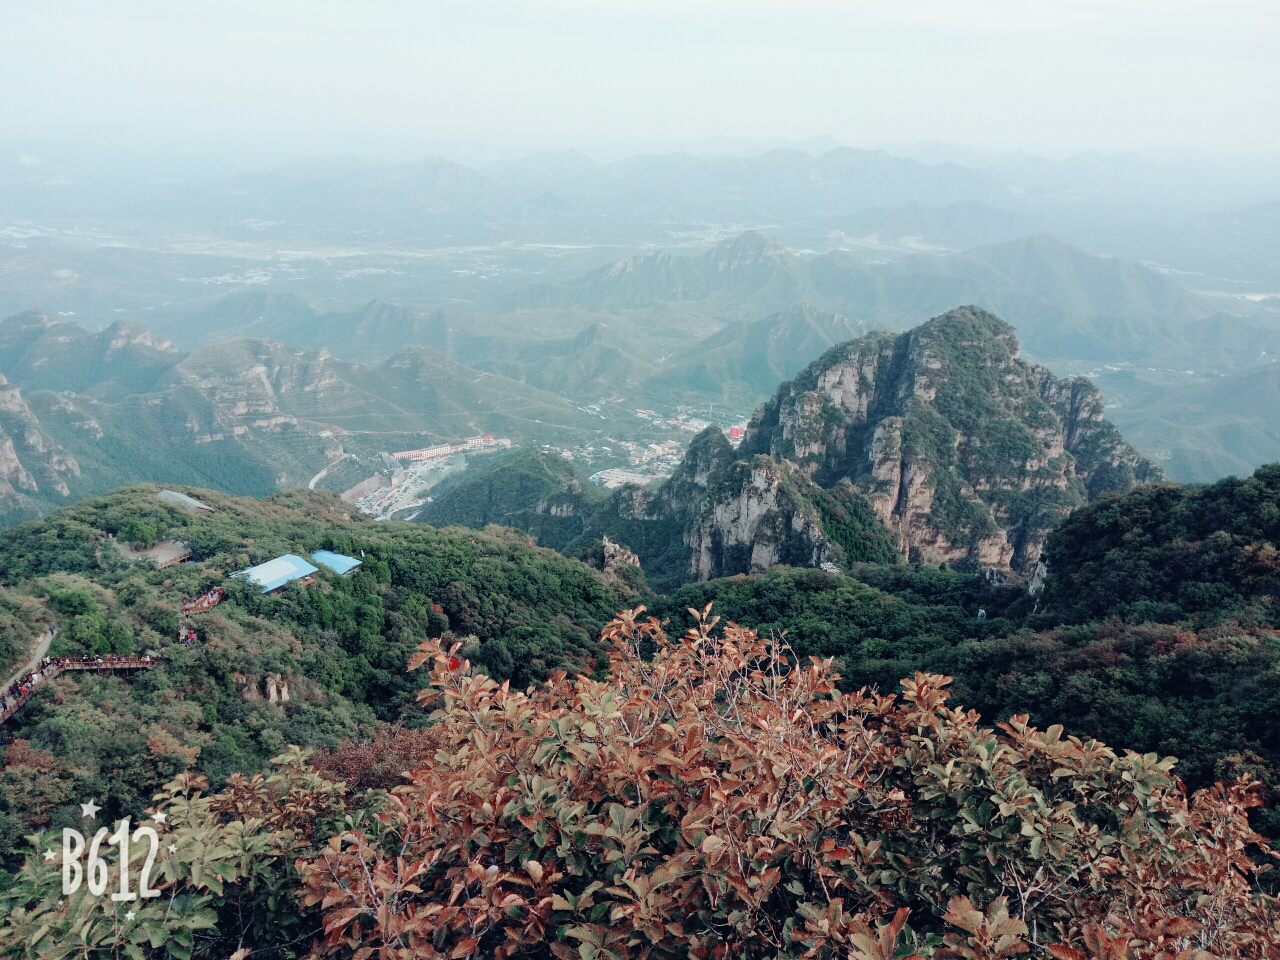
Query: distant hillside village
x,y
403,488
400,489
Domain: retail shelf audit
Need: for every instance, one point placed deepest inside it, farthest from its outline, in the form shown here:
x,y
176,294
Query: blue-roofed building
x,y
337,562
274,574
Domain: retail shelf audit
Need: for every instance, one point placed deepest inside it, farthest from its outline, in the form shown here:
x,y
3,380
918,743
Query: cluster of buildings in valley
x,y
403,487
656,459
617,477
679,422
646,462
408,474
686,421
486,444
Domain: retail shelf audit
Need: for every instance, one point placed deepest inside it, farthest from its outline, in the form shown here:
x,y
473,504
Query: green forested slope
x,y
1156,631
341,646
532,490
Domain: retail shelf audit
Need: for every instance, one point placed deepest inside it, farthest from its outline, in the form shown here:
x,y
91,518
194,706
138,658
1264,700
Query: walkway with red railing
x,y
20,691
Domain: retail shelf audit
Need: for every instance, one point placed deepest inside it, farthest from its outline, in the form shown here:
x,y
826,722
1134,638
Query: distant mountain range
x,y
81,413
1068,305
660,330
724,326
1207,430
42,352
1070,308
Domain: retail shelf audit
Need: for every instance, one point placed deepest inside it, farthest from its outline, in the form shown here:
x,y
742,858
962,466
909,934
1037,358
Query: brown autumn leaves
x,y
714,798
711,798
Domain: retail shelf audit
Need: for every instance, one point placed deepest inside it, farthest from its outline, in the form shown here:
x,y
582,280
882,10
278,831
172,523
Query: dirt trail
x,y
41,649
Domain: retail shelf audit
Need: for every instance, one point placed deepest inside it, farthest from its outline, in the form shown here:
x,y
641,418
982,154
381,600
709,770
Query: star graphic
x,y
159,816
130,915
49,855
89,810
172,848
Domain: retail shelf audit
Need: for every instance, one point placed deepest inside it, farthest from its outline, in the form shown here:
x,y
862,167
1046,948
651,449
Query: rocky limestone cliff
x,y
681,498
29,458
616,557
39,351
966,452
246,379
122,335
719,515
755,516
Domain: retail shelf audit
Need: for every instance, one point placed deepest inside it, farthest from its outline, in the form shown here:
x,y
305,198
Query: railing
x,y
56,665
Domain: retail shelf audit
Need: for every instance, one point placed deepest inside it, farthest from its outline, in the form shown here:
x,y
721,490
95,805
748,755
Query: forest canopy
x,y
712,796
1174,673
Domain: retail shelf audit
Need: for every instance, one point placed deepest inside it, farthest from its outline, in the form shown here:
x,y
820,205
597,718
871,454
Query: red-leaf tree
x,y
713,798
716,798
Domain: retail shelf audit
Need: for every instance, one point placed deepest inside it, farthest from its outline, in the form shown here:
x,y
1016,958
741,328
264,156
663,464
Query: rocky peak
x,y
247,377
615,556
637,262
747,249
11,398
680,499
756,515
123,334
29,458
709,453
965,451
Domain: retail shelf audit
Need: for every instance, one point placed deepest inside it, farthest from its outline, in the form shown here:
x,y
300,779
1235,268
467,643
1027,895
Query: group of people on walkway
x,y
24,685
207,600
20,689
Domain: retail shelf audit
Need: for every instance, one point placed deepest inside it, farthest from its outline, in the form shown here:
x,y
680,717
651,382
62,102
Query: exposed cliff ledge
x,y
29,458
757,516
965,451
719,515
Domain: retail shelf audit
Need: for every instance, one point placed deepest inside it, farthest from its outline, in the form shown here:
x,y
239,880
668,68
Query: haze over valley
x,y
633,480
552,296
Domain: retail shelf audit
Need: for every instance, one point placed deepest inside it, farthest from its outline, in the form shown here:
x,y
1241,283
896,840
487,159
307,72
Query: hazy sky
x,y
1049,76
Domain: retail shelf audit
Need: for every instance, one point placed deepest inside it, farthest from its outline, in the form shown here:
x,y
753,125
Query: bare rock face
x,y
966,452
617,556
29,458
719,515
248,379
11,399
756,516
277,688
12,471
247,687
121,336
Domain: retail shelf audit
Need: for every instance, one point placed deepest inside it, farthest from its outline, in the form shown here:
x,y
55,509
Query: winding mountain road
x,y
320,476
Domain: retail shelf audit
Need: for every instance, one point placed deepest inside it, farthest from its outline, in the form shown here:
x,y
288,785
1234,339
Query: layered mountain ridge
x,y
939,445
83,412
723,326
